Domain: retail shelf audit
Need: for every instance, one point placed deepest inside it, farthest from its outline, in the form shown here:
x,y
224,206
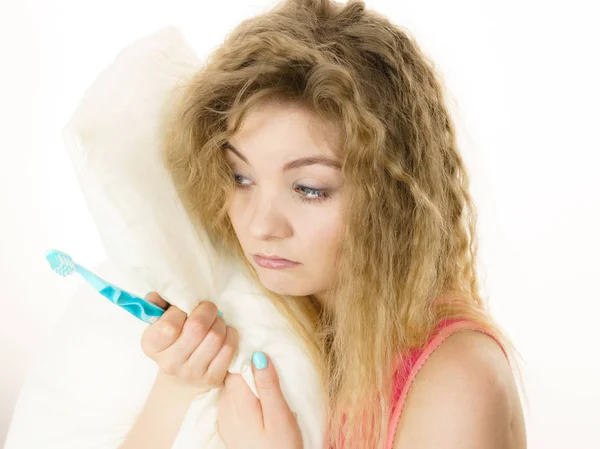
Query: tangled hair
x,y
409,220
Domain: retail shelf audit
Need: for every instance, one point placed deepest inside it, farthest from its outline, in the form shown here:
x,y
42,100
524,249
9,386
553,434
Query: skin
x,y
463,397
291,213
193,353
294,214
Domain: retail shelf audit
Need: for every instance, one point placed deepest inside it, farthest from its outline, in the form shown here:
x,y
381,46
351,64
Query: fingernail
x,y
220,314
259,360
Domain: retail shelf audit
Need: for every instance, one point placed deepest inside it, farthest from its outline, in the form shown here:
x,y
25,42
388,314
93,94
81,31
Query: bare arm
x,y
463,398
193,353
159,422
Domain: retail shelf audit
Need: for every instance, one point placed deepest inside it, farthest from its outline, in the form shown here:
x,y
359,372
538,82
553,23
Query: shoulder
x,y
464,396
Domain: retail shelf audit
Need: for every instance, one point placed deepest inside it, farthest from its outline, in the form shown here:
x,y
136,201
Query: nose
x,y
267,220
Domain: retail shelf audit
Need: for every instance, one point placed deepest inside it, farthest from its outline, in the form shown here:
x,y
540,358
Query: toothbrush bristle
x,y
60,262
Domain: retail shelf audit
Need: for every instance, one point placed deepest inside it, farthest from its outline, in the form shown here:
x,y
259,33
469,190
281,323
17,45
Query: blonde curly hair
x,y
409,220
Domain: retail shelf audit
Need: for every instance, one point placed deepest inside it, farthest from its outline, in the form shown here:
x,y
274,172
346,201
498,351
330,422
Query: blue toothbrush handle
x,y
138,307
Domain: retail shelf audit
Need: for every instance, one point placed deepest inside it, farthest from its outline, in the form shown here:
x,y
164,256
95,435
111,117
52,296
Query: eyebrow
x,y
302,162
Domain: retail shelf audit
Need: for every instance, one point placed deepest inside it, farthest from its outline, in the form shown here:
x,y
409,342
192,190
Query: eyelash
x,y
324,194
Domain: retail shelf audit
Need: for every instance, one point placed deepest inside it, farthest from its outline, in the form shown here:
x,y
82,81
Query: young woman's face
x,y
287,202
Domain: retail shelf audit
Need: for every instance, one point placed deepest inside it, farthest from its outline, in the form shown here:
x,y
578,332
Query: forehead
x,y
284,131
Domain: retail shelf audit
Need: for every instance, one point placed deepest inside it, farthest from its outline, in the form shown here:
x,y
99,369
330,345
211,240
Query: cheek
x,y
235,212
323,235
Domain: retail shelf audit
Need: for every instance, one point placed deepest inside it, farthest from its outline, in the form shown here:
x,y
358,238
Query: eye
x,y
308,195
320,195
237,184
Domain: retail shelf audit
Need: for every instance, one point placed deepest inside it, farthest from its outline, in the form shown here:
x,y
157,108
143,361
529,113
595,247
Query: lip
x,y
273,262
275,257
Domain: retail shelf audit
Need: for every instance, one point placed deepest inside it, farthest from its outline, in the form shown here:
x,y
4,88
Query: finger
x,y
273,403
201,325
234,383
157,300
237,390
161,334
204,352
217,368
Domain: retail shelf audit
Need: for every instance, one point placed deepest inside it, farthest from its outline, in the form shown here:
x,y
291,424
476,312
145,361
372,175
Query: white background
x,y
524,76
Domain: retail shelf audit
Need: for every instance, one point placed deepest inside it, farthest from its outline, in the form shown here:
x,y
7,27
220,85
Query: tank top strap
x,y
416,358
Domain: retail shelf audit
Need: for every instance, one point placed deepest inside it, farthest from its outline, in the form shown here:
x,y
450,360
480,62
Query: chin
x,y
286,287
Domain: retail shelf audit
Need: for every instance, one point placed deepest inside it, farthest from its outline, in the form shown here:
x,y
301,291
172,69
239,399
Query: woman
x,y
318,133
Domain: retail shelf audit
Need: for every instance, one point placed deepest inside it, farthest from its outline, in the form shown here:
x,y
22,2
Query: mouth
x,y
273,262
274,257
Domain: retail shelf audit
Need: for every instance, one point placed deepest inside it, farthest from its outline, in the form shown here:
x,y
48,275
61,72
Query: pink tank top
x,y
414,361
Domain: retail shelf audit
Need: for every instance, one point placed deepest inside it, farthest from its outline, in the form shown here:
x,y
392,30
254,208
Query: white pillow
x,y
87,387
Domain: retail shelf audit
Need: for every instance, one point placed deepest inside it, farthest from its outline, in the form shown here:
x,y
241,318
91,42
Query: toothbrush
x,y
64,265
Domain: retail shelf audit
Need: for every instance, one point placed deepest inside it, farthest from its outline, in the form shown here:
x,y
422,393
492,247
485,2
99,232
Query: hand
x,y
257,423
193,351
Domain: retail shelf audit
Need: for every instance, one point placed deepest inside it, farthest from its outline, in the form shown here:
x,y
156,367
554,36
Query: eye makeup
x,y
320,194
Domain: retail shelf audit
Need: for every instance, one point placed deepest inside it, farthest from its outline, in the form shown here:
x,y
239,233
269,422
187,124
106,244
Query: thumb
x,y
273,403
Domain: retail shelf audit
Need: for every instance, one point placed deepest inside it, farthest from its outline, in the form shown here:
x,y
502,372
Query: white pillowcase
x,y
88,385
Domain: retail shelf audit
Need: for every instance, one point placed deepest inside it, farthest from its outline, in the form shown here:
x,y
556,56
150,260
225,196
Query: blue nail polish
x,y
220,314
259,360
